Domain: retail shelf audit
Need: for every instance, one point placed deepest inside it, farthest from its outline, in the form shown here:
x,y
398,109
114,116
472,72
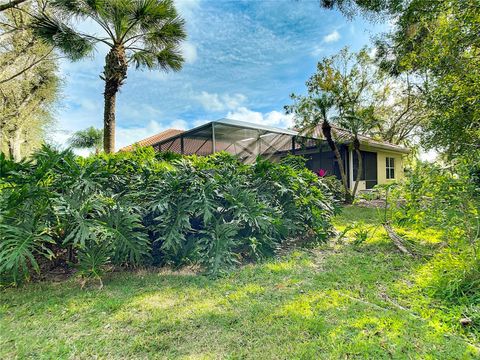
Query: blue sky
x,y
243,59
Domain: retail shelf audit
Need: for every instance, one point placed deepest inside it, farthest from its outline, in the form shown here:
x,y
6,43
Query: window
x,y
390,168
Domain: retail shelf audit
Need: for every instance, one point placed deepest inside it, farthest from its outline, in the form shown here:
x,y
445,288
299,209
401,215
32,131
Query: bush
x,y
446,198
142,207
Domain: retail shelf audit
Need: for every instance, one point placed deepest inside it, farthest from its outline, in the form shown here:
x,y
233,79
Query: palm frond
x,y
169,58
143,58
75,7
152,13
89,138
167,33
54,31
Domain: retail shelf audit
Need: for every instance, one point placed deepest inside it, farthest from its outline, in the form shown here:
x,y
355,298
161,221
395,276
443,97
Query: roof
x,y
172,133
344,136
249,125
164,135
340,135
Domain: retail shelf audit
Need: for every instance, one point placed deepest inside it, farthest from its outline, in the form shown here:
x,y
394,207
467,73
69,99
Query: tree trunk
x,y
114,74
327,132
356,147
14,144
109,118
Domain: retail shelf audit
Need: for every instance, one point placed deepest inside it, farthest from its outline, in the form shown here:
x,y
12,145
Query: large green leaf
x,y
20,246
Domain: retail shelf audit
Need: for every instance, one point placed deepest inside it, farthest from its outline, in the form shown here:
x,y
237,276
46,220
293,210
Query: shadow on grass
x,y
289,308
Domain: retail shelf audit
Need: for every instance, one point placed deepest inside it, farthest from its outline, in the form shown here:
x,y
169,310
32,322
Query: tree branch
x,y
11,4
27,68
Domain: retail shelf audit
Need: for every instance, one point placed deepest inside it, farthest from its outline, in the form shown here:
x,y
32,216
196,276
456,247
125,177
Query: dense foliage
x,y
29,84
438,42
447,198
145,208
352,92
88,139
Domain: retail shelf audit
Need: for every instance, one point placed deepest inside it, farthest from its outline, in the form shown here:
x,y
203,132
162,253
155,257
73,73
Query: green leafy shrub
x,y
360,236
92,262
256,207
141,207
446,198
335,187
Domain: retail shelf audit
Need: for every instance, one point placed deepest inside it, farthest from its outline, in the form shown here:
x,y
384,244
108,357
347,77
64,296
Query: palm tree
x,y
144,32
356,123
309,113
90,138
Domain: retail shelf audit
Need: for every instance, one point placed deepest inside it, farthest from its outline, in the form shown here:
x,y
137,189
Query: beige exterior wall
x,y
381,166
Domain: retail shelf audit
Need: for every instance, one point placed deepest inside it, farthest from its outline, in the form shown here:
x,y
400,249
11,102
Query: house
x,y
382,162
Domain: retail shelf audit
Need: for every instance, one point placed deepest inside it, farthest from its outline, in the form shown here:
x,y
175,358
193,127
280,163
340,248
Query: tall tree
x,y
29,84
90,139
438,40
347,78
362,99
400,109
143,32
313,111
15,32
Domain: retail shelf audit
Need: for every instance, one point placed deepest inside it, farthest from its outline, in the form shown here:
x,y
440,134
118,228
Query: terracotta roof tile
x,y
164,135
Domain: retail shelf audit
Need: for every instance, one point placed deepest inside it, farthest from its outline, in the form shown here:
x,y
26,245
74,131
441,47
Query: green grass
x,y
336,301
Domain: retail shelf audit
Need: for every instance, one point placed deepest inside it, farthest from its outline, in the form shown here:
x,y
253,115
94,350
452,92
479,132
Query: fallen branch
x,y
397,240
378,307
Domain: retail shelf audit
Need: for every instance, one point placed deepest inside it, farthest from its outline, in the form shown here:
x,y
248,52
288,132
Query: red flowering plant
x,y
321,173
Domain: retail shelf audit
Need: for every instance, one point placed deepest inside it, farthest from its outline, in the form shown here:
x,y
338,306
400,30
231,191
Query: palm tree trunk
x,y
327,133
356,147
114,74
109,118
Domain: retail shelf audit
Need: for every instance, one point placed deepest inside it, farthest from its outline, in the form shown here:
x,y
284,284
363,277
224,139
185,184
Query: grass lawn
x,y
340,301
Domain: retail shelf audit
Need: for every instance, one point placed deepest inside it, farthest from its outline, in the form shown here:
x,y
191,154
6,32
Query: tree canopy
x,y
145,33
29,84
90,138
437,40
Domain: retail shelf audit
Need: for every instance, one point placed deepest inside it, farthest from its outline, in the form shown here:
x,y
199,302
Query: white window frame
x,y
390,167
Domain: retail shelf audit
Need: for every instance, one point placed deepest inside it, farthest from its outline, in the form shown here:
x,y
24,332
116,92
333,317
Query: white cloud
x,y
272,118
128,136
187,8
216,102
200,122
189,52
317,51
373,52
124,135
59,138
139,113
332,37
